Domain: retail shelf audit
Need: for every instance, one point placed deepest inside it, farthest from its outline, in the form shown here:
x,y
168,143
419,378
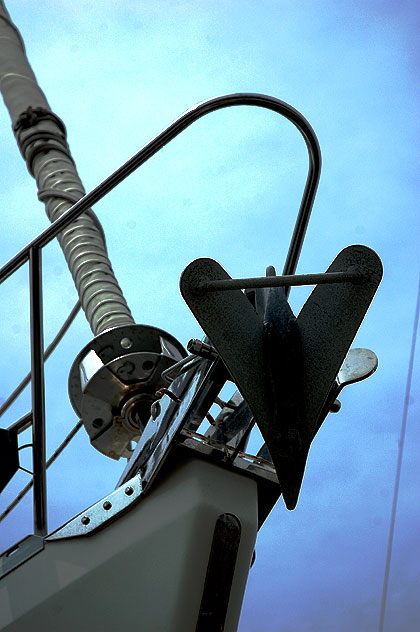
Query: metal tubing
x,y
23,423
191,115
280,281
51,460
38,395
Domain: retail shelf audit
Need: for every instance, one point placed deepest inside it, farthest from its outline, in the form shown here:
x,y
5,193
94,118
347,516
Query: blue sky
x,y
229,188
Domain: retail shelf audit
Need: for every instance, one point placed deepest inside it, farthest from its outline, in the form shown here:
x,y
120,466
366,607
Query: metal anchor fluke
x,y
289,370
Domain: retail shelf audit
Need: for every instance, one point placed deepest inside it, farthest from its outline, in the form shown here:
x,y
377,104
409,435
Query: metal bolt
x,y
126,343
85,520
202,349
335,406
107,505
129,491
155,410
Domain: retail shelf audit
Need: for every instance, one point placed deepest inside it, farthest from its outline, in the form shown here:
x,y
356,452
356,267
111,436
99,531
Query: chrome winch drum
x,y
113,383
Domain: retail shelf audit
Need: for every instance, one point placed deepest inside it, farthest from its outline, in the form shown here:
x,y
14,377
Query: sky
x,y
229,188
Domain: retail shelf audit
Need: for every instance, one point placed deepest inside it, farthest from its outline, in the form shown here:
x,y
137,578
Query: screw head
x,y
107,505
129,491
85,520
126,343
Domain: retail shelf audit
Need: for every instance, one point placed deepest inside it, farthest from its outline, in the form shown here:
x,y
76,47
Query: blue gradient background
x,y
229,188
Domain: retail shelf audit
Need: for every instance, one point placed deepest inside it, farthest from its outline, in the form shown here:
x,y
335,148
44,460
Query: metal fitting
x,y
113,384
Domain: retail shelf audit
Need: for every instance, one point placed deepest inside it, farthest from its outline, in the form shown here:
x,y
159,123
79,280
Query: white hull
x,y
144,571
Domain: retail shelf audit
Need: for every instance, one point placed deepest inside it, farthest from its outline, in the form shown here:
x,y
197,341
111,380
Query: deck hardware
x,y
113,381
286,280
219,577
19,553
263,346
101,513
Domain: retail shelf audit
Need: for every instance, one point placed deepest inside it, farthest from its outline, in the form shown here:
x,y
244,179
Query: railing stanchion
x,y
38,394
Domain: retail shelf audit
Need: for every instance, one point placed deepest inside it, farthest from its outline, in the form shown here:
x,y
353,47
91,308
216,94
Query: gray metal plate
x,y
102,512
19,553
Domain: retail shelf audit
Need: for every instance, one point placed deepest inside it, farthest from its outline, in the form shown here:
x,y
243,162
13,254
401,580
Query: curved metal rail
x,y
32,252
168,134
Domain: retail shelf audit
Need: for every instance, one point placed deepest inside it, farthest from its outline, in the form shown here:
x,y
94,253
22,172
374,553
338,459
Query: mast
x,y
41,137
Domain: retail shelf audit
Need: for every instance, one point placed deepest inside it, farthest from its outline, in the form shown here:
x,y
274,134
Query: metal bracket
x,y
101,512
19,553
